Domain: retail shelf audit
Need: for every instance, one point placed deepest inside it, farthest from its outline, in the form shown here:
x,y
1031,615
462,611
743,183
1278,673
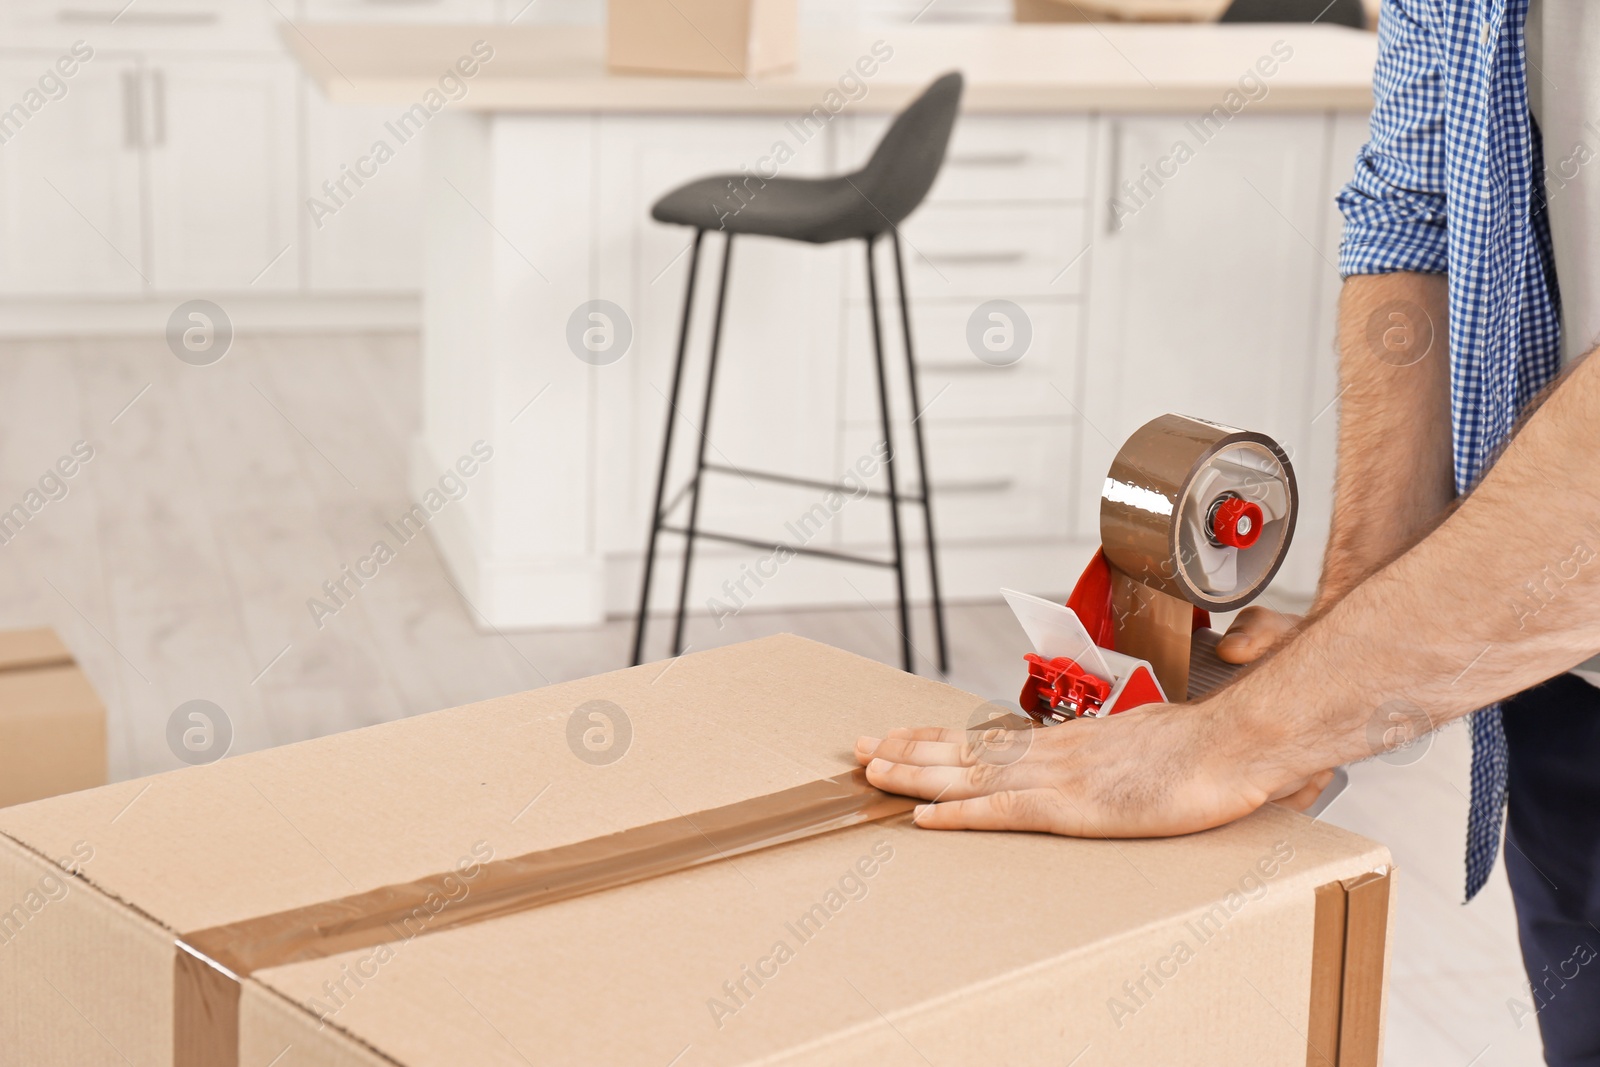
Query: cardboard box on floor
x,y
52,725
1262,942
726,38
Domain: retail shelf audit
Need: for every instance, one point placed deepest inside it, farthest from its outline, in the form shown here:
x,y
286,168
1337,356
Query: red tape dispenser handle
x,y
1063,687
1069,675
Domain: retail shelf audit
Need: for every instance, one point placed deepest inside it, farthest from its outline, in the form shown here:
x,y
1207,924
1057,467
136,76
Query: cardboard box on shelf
x,y
727,38
364,899
52,725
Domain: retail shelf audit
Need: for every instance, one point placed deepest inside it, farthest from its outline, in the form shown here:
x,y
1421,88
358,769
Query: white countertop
x,y
1010,68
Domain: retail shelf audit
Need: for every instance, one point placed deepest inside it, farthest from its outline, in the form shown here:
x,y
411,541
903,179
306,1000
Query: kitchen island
x,y
1157,200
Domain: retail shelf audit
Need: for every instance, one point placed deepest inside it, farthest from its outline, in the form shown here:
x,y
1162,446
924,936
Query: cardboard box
x,y
52,725
874,944
727,38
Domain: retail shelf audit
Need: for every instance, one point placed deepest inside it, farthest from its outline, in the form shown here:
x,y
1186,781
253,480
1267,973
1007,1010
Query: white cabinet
x,y
372,242
152,174
1208,274
220,142
69,182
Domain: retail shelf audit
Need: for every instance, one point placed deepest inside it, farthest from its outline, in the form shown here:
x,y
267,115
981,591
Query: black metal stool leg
x,y
700,453
656,517
888,466
922,461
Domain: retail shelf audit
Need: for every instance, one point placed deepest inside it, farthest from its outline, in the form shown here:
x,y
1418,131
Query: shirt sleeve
x,y
1394,207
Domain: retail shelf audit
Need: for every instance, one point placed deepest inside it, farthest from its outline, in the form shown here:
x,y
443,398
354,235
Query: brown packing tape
x,y
205,1013
1152,626
1327,977
1145,497
1366,928
211,963
1348,954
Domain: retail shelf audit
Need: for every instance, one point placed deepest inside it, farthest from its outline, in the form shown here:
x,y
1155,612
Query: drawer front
x,y
1004,160
998,158
952,382
992,482
985,251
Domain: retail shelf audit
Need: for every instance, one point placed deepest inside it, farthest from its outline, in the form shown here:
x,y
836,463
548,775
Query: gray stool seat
x,y
818,210
866,204
1350,13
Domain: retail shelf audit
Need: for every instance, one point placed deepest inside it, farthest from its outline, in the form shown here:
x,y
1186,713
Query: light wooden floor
x,y
179,564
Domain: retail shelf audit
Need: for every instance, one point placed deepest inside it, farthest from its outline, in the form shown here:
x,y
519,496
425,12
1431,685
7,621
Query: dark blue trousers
x,y
1553,860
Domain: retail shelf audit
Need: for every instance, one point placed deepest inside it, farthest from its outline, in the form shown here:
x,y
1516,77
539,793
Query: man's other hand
x,y
1154,771
1254,632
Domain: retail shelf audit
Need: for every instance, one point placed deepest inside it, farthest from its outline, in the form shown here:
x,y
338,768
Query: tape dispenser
x,y
1195,517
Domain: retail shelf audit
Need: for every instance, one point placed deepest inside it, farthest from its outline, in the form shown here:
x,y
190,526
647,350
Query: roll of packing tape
x,y
1200,511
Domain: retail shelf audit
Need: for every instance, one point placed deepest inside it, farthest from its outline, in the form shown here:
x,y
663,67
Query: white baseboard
x,y
259,313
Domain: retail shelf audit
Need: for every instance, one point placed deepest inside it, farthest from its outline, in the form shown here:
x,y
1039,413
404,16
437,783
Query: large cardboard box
x,y
1257,943
52,725
726,38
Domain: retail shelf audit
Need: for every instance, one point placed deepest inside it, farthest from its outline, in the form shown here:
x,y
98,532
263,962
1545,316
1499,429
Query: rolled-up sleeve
x,y
1394,207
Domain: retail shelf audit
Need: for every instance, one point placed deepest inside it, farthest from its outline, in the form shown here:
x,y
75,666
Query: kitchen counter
x,y
1042,69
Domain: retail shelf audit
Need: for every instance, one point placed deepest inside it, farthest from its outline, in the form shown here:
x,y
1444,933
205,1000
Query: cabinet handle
x,y
132,110
988,159
976,485
978,258
1116,178
158,107
961,366
86,16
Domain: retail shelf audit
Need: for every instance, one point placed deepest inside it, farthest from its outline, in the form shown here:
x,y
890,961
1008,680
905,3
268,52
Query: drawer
x,y
1004,159
985,251
952,382
992,481
1000,158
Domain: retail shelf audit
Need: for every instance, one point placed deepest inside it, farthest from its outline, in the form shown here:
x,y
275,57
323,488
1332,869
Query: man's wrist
x,y
1290,717
1253,744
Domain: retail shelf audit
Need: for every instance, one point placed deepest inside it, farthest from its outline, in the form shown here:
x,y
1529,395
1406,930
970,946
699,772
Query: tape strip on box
x,y
210,964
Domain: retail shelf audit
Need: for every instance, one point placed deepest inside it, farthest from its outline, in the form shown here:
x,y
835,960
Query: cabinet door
x,y
221,146
372,241
1205,284
69,182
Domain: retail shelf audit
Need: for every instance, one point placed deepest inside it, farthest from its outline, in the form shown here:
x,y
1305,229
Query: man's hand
x,y
1255,632
1150,772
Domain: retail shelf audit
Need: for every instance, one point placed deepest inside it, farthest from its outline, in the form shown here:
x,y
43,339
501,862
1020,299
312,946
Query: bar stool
x,y
864,205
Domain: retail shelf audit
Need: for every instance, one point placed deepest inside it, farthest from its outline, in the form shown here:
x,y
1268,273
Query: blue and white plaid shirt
x,y
1452,181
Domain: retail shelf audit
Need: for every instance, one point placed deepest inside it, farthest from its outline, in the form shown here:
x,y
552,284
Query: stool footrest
x,y
801,550
812,483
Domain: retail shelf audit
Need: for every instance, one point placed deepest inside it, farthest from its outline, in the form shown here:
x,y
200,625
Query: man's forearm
x,y
1502,595
1394,474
